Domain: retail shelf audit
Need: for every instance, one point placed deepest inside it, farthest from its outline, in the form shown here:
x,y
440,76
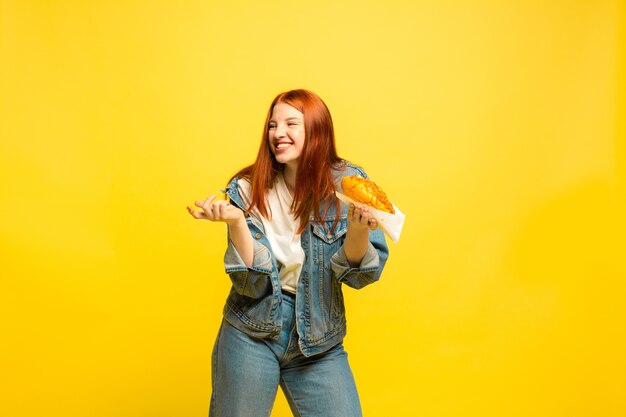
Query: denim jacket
x,y
254,302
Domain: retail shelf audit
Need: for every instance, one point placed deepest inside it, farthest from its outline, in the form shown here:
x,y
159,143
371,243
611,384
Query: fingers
x,y
223,209
219,209
206,206
360,215
195,214
210,209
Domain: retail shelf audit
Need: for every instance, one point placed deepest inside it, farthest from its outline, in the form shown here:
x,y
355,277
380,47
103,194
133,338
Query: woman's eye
x,y
271,127
291,124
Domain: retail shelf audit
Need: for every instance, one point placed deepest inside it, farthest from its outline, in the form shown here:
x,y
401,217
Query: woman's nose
x,y
280,131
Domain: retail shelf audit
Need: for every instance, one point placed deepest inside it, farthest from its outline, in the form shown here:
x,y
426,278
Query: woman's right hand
x,y
217,211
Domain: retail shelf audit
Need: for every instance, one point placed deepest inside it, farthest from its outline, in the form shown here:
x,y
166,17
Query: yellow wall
x,y
497,127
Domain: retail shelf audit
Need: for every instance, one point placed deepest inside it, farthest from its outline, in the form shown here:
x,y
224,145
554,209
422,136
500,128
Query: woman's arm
x,y
357,236
223,211
242,239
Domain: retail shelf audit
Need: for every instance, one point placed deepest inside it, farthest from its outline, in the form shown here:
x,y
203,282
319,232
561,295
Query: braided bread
x,y
367,192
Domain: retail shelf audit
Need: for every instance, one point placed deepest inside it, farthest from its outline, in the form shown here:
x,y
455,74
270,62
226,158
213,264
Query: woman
x,y
291,246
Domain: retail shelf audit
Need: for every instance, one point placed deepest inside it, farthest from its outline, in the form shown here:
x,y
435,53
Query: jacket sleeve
x,y
371,266
254,281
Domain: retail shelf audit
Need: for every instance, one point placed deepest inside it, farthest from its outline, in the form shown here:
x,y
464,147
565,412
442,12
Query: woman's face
x,y
286,134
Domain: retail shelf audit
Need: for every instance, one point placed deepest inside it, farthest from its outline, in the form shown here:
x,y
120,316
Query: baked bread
x,y
367,192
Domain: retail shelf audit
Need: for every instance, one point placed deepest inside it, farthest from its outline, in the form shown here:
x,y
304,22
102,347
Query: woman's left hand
x,y
360,217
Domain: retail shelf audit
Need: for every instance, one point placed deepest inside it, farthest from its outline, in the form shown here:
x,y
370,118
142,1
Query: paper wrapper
x,y
389,223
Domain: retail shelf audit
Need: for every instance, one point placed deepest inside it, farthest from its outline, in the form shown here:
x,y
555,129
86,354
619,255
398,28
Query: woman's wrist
x,y
242,239
238,222
355,244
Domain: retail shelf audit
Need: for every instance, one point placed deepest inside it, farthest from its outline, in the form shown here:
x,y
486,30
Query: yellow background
x,y
497,127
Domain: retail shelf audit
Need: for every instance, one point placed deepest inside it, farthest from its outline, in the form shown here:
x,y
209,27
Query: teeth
x,y
282,145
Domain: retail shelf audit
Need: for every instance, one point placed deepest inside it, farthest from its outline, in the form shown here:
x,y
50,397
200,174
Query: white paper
x,y
389,223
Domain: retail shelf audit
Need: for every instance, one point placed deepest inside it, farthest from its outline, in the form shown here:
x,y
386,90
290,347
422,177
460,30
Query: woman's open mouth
x,y
282,146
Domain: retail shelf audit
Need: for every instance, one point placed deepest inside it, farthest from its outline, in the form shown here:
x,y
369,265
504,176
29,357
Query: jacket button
x,y
330,235
258,235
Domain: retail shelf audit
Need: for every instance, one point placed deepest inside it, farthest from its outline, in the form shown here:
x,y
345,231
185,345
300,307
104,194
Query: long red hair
x,y
314,178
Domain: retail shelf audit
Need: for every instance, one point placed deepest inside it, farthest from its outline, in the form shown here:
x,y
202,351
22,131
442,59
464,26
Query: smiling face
x,y
286,134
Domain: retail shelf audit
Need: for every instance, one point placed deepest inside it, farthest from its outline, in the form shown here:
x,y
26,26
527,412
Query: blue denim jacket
x,y
253,304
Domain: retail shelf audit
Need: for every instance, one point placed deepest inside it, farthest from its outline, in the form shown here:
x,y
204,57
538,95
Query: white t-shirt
x,y
280,230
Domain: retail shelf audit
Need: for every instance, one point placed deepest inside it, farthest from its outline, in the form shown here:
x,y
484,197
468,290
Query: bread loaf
x,y
367,192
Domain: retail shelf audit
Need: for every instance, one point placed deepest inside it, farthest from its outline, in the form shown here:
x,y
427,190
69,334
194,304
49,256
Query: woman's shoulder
x,y
232,185
347,168
242,175
239,190
237,181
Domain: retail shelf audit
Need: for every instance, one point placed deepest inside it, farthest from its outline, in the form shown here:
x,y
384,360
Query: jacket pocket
x,y
323,230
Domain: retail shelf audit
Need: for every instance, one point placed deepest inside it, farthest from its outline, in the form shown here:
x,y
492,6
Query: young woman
x,y
291,247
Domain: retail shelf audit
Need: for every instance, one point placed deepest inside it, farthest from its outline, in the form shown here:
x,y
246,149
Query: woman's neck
x,y
289,173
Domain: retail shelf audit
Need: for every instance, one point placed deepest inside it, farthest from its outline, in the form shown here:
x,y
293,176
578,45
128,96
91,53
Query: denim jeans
x,y
247,371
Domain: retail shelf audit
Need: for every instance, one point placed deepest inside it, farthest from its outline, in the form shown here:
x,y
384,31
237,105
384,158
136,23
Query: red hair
x,y
314,178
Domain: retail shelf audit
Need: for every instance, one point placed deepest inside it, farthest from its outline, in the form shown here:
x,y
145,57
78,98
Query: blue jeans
x,y
247,371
